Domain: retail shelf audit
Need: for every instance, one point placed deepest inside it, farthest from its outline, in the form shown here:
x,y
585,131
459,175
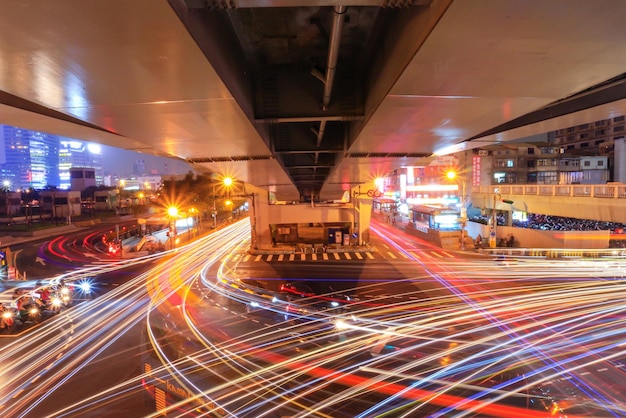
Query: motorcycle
x,y
30,311
65,295
7,320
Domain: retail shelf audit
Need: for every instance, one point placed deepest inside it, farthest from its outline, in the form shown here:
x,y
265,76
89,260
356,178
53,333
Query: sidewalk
x,y
9,240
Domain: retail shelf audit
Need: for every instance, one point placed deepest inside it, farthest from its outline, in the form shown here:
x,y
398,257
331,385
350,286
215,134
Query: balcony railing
x,y
606,191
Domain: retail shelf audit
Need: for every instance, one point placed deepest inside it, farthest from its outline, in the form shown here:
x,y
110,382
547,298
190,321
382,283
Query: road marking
x,y
314,256
437,255
292,257
336,256
269,257
246,258
392,255
371,257
281,257
359,256
405,255
348,256
325,256
40,260
302,257
258,257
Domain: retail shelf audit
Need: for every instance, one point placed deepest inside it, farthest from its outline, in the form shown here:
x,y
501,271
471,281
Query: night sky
x,y
120,162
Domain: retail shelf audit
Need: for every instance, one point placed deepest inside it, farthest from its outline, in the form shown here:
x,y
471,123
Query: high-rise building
x,y
73,153
29,158
139,168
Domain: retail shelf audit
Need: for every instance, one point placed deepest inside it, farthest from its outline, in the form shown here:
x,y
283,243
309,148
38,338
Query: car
x,y
302,293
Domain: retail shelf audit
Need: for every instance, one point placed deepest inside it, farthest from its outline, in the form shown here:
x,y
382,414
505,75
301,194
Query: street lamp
x,y
6,185
172,212
228,182
452,175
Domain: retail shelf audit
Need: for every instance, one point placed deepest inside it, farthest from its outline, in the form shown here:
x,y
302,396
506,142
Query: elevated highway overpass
x,y
309,99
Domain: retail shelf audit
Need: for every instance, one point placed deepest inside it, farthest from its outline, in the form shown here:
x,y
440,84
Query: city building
x,y
61,203
10,203
106,199
28,159
542,163
82,178
141,183
73,153
139,168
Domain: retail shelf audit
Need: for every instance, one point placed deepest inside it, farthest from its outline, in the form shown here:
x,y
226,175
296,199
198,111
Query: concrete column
x,y
620,161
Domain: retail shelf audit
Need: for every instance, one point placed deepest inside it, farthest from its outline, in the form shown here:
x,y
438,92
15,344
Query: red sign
x,y
476,170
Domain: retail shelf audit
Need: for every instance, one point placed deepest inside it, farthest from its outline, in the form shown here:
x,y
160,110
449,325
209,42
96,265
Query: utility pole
x,y
214,208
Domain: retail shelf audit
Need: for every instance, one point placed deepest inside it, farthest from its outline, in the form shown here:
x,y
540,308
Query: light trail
x,y
506,335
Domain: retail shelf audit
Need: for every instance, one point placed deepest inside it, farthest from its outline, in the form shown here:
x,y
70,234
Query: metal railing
x,y
556,253
606,191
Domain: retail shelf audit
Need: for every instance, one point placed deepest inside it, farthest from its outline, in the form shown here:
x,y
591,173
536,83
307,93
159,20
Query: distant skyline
x,y
120,162
37,159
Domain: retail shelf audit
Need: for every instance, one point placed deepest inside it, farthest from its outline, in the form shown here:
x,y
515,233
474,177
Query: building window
x,y
530,163
598,142
570,137
599,132
584,136
584,126
587,163
600,163
618,119
504,163
547,177
500,177
619,128
545,162
531,151
599,123
571,129
570,147
584,145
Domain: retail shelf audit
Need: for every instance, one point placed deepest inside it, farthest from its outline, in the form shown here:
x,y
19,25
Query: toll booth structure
x,y
439,225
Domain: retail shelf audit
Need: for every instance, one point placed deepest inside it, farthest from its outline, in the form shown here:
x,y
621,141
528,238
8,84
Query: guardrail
x,y
607,191
556,253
